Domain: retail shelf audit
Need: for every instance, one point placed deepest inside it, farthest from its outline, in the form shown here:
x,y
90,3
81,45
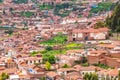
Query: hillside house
x,y
88,34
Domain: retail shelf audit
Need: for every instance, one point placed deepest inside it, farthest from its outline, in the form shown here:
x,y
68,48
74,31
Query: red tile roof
x,y
91,30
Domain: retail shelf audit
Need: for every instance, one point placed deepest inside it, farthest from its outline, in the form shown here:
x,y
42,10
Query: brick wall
x,y
93,59
108,60
116,55
112,62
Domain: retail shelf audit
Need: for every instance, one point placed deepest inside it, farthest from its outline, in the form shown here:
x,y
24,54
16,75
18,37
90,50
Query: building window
x,y
86,33
30,61
26,62
74,39
86,38
39,61
83,73
74,35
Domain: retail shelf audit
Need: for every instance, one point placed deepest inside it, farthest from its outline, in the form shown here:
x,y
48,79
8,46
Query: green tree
x,y
103,6
65,66
48,66
100,24
86,76
84,59
4,76
20,1
59,7
42,78
9,31
34,53
94,76
49,48
114,20
1,1
52,59
118,31
90,76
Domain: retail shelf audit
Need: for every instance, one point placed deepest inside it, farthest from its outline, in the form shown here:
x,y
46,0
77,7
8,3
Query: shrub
x,y
52,59
49,48
48,66
65,66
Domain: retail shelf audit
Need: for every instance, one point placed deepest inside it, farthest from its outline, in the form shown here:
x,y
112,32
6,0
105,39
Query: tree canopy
x,y
1,1
49,48
113,21
65,66
4,76
51,59
48,66
103,6
91,76
20,1
100,24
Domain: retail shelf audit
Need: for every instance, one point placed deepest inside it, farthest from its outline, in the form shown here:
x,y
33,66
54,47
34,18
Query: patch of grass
x,y
65,66
53,52
27,14
46,7
115,37
73,46
46,54
103,66
10,35
85,64
34,54
61,39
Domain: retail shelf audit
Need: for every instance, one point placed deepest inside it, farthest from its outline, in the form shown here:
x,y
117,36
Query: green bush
x,y
9,32
1,1
47,55
48,48
60,39
27,14
102,66
52,59
4,76
90,76
65,66
101,42
46,7
47,66
33,53
77,62
85,64
103,6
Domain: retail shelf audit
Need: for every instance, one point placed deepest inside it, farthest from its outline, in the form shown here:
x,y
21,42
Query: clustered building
x,y
15,57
